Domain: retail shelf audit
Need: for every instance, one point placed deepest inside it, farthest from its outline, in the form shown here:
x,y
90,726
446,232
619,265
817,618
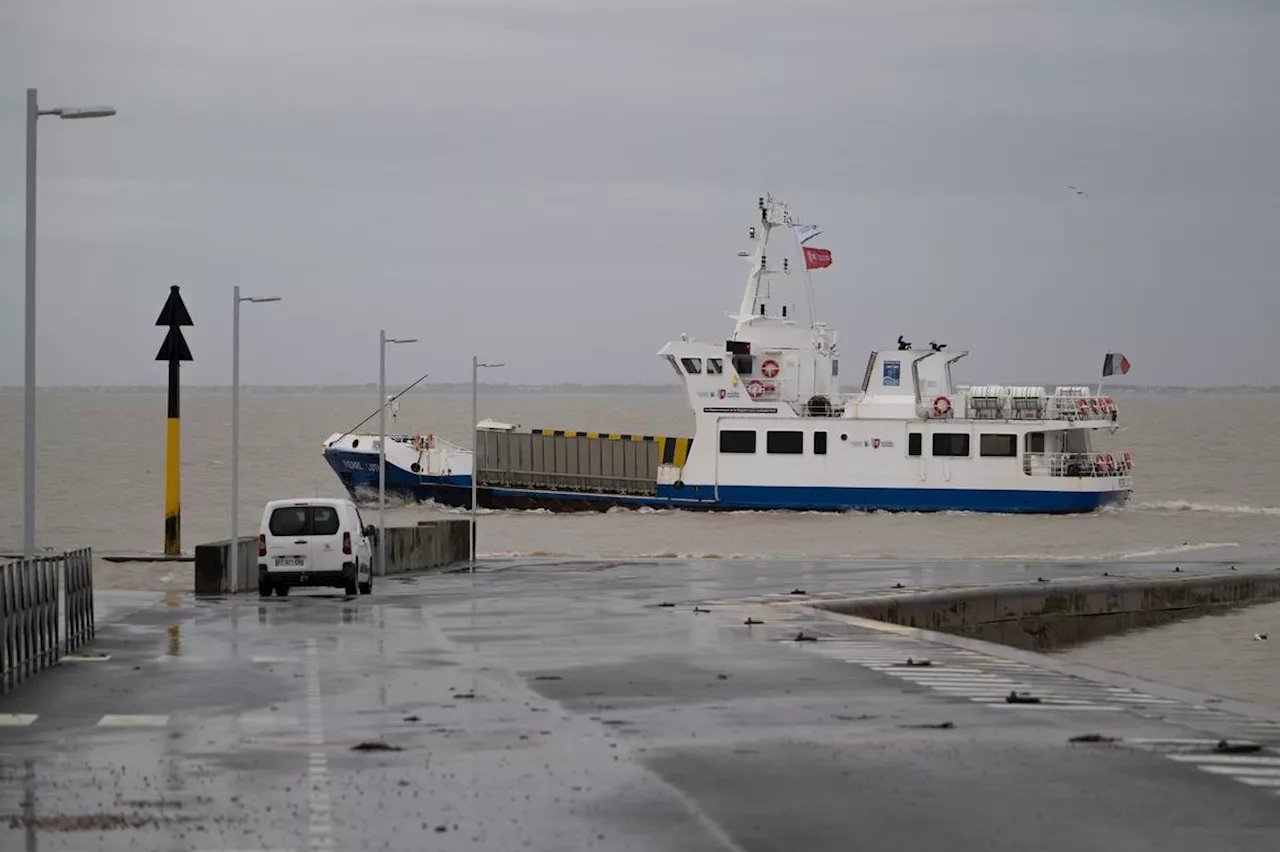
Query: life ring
x,y
755,388
941,406
769,368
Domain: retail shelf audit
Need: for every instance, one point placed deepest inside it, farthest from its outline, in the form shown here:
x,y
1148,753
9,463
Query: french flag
x,y
1114,363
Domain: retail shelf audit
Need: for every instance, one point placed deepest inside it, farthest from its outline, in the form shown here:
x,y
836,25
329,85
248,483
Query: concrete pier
x,y
619,705
1046,615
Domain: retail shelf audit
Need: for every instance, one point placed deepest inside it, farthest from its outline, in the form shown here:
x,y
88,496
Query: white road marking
x,y
137,721
262,658
17,719
320,823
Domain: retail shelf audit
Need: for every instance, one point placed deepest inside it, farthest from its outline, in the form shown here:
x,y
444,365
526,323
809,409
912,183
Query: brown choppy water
x,y
1206,479
1214,653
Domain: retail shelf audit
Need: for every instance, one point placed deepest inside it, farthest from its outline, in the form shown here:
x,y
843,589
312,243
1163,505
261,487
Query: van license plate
x,y
288,560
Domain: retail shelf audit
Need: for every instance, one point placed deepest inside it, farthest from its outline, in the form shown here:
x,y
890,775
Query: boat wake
x,y
1189,506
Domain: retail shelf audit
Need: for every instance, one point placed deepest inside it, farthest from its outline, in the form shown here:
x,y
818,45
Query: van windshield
x,y
304,521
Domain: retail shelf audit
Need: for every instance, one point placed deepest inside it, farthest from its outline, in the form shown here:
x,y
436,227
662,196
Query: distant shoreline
x,y
565,388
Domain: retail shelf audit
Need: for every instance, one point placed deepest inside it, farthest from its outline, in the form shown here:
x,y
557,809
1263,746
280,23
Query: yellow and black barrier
x,y
673,451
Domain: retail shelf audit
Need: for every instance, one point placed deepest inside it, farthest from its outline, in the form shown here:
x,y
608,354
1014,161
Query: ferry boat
x,y
775,430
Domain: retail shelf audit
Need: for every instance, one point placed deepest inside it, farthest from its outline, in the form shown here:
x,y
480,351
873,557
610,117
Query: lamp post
x,y
383,340
29,396
235,422
475,452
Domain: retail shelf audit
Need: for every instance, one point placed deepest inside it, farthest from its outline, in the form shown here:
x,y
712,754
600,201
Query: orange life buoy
x,y
941,406
769,368
755,388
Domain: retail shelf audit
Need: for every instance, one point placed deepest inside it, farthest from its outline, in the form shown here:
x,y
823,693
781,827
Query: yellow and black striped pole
x,y
175,351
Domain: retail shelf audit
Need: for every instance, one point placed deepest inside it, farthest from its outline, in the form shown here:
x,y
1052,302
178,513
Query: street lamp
x,y
29,398
475,453
235,422
383,340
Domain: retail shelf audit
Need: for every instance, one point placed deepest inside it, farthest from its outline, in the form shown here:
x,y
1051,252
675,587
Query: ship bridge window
x,y
692,366
715,366
744,364
951,444
998,445
1035,442
820,443
672,360
738,441
914,444
789,442
835,366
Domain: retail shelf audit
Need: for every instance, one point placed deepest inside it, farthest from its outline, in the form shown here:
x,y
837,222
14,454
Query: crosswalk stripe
x,y
130,721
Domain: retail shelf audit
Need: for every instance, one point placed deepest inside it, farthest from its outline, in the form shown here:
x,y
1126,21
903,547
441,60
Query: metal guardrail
x,y
1093,464
32,635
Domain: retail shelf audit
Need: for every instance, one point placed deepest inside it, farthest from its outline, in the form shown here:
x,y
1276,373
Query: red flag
x,y
816,258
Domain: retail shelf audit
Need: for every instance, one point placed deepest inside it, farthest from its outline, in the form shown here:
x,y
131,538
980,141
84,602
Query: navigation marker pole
x,y
174,350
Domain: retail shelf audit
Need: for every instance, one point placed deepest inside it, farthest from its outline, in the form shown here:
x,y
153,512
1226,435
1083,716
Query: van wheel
x,y
367,588
264,588
351,589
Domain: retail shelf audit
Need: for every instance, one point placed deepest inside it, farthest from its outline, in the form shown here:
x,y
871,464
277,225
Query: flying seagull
x,y
1078,191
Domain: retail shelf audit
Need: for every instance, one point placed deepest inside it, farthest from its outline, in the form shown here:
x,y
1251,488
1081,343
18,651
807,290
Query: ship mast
x,y
772,213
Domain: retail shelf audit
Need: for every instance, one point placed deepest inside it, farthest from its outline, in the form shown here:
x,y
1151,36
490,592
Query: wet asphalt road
x,y
555,706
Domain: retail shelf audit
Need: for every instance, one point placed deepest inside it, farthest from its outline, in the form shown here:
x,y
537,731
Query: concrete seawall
x,y
1051,615
428,545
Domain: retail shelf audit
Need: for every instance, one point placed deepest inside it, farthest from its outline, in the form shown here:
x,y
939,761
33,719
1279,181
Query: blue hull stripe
x,y
356,471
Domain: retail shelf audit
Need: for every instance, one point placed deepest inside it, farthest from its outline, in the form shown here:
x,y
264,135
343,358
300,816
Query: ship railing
x,y
1059,408
1079,465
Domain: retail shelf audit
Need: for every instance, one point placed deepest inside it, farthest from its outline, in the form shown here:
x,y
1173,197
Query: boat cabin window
x,y
913,444
671,359
835,366
998,445
790,442
738,441
820,443
692,366
951,444
743,364
715,366
1035,442
1075,441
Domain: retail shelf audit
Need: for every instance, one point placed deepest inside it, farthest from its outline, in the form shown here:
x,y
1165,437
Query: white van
x,y
314,542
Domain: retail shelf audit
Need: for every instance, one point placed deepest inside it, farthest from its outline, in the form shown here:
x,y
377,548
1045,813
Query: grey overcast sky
x,y
563,184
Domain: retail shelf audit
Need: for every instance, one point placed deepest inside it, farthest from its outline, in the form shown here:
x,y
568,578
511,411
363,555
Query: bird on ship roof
x,y
937,347
903,344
